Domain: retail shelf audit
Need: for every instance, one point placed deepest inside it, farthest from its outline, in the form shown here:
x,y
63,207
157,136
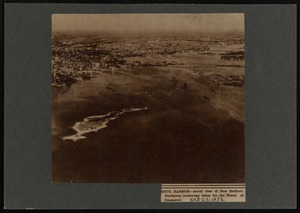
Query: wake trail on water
x,y
96,123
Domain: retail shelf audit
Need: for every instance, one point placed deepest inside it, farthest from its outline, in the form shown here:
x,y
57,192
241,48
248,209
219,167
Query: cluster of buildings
x,y
230,80
233,55
72,58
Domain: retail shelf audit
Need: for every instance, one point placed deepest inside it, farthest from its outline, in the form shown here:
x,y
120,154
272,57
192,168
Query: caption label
x,y
203,193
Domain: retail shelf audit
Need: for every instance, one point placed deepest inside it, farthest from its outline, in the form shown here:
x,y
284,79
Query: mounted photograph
x,y
148,98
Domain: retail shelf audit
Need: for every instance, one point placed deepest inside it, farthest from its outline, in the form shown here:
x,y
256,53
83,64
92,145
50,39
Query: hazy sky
x,y
209,22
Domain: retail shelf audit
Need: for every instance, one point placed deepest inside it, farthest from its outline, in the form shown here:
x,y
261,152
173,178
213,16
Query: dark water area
x,y
180,138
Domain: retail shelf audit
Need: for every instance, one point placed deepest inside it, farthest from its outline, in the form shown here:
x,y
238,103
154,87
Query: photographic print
x,y
148,98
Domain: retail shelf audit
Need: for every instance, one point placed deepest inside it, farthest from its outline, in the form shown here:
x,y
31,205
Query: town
x,y
74,58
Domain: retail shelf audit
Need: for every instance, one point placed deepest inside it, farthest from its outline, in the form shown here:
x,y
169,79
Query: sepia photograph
x,y
148,98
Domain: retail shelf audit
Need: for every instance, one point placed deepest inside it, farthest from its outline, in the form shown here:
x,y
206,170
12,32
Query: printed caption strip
x,y
221,192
